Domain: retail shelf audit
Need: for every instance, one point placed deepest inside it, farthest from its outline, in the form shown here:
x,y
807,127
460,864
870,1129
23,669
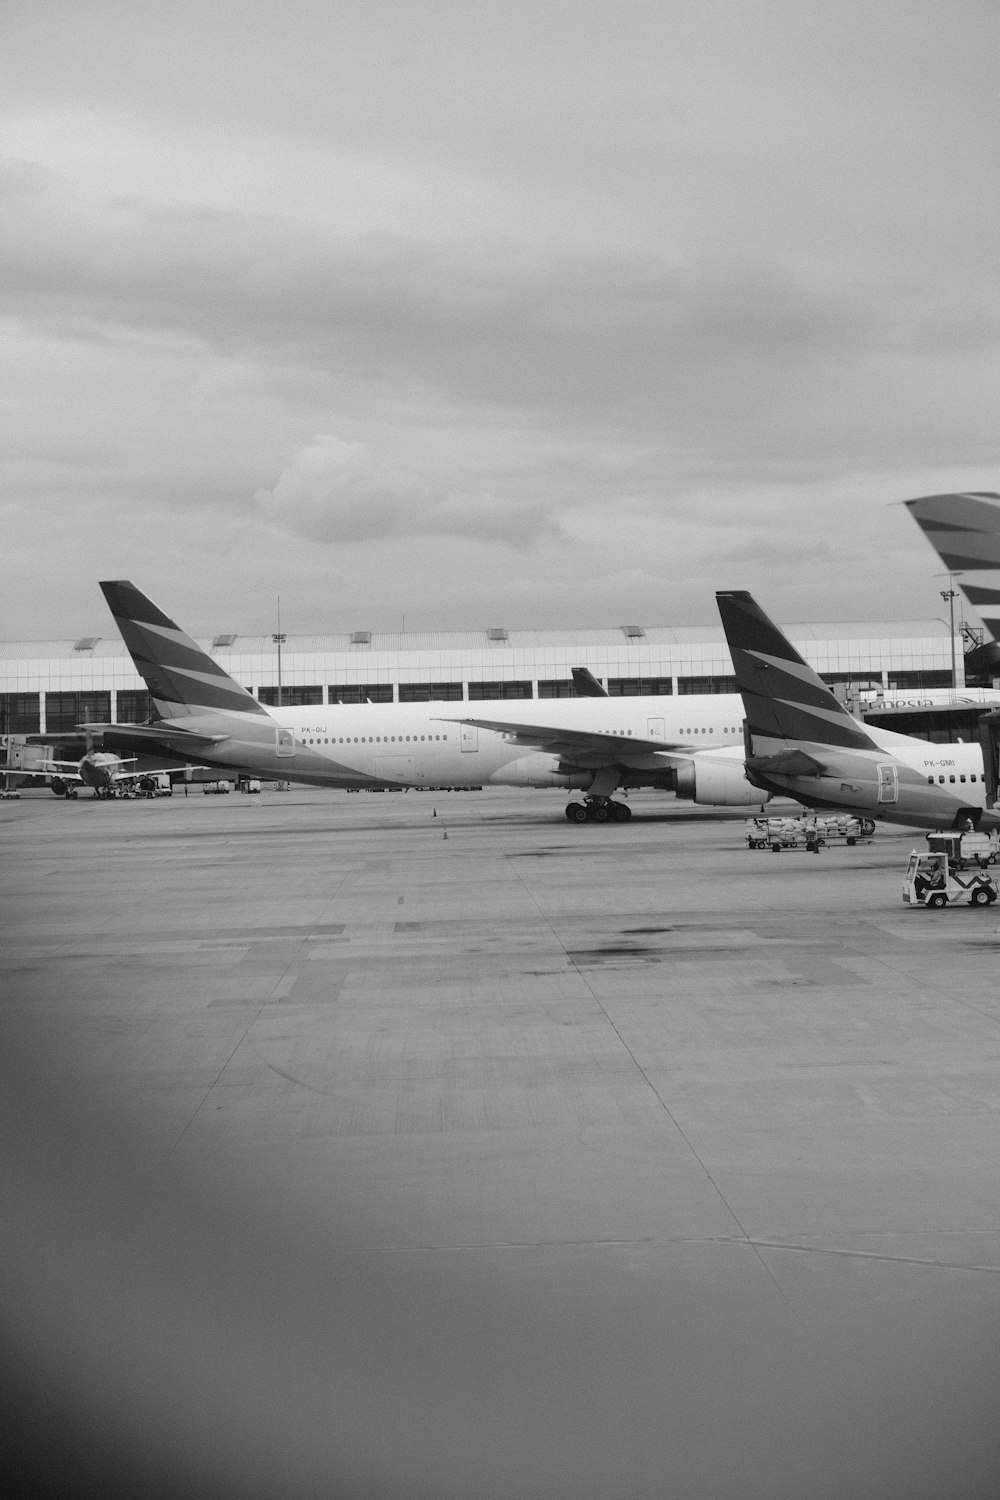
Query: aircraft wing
x,y
158,771
572,743
52,768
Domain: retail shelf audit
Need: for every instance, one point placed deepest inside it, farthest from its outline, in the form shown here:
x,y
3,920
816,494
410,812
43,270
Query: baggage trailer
x,y
932,880
806,832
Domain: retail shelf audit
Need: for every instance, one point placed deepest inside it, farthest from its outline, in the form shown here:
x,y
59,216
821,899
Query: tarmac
x,y
427,1144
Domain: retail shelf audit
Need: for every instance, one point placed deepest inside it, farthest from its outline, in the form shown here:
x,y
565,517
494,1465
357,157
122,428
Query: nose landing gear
x,y
598,810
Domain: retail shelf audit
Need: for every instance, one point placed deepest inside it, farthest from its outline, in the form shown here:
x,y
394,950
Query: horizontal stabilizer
x,y
156,734
786,763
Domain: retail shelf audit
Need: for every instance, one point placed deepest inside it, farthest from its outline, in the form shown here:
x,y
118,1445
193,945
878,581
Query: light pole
x,y
951,595
279,639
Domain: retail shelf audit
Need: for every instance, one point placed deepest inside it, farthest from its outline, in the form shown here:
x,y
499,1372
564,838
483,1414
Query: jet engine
x,y
718,782
59,786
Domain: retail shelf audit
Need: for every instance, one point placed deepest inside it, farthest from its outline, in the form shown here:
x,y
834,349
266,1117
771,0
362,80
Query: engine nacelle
x,y
59,786
718,782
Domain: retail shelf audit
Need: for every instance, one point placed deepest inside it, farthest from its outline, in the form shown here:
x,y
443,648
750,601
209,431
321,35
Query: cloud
x,y
738,360
339,491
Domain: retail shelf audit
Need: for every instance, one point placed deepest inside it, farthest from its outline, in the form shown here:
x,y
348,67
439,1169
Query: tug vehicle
x,y
933,880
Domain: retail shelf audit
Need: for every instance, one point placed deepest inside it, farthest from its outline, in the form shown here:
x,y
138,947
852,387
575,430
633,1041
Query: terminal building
x,y
49,687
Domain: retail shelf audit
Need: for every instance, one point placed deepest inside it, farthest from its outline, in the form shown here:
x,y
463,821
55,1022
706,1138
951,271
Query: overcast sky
x,y
532,314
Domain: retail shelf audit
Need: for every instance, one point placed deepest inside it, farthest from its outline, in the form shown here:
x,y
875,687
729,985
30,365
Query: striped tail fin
x,y
964,530
181,677
785,701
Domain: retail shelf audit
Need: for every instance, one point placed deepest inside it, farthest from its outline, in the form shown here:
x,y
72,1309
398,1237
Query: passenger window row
x,y
377,739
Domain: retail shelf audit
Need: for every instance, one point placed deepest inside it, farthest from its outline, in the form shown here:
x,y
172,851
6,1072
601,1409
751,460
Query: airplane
x,y
801,742
104,772
964,530
595,745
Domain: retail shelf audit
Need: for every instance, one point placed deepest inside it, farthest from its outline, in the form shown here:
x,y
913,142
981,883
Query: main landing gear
x,y
598,810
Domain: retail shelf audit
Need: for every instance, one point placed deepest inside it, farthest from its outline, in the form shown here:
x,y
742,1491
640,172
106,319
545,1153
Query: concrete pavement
x,y
598,1159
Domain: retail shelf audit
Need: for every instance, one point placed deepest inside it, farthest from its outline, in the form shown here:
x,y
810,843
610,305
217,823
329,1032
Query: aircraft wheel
x,y
576,812
980,896
937,900
622,811
599,812
867,827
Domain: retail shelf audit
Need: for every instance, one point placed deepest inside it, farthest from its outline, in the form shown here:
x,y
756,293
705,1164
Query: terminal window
x,y
291,697
20,713
706,684
360,692
430,692
863,681
920,679
64,711
482,690
556,687
133,706
640,687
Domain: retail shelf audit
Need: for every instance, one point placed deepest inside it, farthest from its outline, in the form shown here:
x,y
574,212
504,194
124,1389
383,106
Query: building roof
x,y
397,642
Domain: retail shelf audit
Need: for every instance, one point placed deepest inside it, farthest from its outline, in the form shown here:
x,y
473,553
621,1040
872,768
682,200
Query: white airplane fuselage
x,y
426,744
918,783
100,769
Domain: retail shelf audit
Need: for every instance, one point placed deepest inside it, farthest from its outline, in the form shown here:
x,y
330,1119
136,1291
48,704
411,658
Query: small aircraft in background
x,y
106,774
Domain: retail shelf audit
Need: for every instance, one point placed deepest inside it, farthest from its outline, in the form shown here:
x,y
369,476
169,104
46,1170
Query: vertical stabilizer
x,y
964,530
784,699
182,678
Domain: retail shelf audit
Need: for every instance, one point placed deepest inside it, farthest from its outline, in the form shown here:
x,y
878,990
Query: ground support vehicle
x,y
216,786
965,851
932,880
807,832
156,784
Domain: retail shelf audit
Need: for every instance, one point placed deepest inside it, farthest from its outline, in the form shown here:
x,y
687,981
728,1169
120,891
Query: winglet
x,y
783,698
181,677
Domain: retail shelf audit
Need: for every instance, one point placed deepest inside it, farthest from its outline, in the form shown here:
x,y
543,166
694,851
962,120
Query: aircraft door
x,y
655,729
469,736
888,783
989,739
284,742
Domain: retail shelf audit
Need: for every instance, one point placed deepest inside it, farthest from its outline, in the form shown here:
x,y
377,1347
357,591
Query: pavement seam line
x,y
651,1086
